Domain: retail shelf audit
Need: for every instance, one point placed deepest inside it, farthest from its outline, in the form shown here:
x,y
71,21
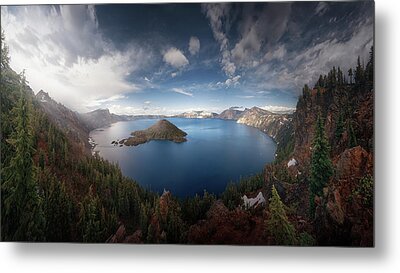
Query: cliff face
x,y
101,118
345,107
344,212
274,125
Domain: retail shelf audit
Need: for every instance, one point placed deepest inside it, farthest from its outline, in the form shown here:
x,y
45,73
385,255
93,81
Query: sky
x,y
172,58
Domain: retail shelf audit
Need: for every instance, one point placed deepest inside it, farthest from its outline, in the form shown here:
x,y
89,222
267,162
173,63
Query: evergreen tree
x,y
41,160
321,165
339,127
278,224
359,74
369,70
5,59
22,217
351,76
352,136
90,219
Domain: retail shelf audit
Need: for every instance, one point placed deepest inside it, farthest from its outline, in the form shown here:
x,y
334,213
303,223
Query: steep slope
x,y
344,209
70,122
73,196
274,125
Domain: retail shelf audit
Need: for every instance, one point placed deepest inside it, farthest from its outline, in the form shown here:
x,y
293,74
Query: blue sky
x,y
171,58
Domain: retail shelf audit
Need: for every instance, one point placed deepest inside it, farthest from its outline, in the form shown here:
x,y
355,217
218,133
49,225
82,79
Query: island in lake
x,y
162,130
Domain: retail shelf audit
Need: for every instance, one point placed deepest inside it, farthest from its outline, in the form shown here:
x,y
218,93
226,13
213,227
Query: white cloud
x,y
279,109
233,81
217,14
99,102
181,91
64,54
146,79
174,74
194,45
147,102
246,97
175,58
321,8
277,53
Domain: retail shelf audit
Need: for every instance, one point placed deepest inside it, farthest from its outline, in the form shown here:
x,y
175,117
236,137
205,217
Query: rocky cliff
x,y
274,125
101,118
344,212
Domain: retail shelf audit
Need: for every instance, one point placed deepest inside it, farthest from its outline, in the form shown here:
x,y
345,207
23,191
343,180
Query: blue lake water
x,y
216,152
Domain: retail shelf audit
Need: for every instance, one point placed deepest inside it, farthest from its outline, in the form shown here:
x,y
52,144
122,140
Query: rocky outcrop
x,y
223,226
119,235
344,215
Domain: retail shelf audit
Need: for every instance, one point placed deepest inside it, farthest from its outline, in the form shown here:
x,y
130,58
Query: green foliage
x,y
278,224
285,148
321,165
339,127
365,190
234,191
90,219
352,136
5,59
22,215
58,208
195,208
305,239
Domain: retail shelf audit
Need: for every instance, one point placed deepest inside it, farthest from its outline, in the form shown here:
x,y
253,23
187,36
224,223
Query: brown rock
x,y
354,163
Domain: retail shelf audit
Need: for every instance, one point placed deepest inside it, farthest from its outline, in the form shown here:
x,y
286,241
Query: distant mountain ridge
x,y
78,126
197,114
101,118
232,113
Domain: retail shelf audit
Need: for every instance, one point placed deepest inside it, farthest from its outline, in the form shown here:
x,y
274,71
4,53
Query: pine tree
x,y
339,127
351,76
352,136
278,224
22,217
42,161
321,165
90,219
359,74
369,70
5,59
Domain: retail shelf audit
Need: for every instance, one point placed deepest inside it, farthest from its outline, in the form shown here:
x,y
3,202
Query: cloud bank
x,y
65,54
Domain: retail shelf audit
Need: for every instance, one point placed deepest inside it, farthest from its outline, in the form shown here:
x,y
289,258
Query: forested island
x,y
161,130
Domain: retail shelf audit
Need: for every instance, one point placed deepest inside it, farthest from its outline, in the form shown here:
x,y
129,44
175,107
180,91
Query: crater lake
x,y
216,152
